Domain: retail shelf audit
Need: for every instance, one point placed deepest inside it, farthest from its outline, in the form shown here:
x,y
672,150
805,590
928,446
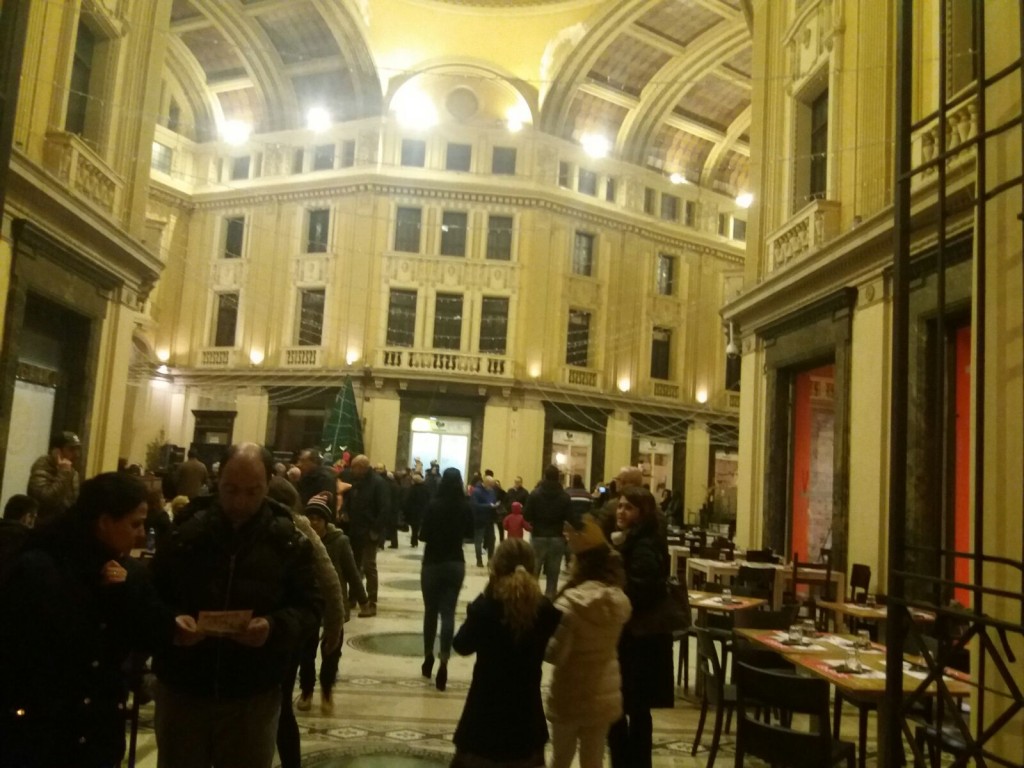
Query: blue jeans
x,y
440,584
549,551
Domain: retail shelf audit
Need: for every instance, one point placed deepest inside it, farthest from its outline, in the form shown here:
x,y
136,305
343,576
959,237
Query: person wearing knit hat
x,y
320,511
585,697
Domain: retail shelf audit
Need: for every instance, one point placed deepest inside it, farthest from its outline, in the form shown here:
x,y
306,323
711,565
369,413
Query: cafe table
x,y
717,603
676,552
824,656
725,571
864,612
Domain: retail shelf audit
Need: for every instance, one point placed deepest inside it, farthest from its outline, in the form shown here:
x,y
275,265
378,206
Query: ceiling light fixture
x,y
318,119
745,199
595,145
416,111
236,132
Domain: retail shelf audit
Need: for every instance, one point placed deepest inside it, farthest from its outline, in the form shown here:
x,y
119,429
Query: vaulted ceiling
x,y
667,80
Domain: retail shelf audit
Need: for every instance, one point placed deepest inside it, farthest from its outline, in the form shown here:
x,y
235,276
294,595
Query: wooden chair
x,y
782,745
817,577
716,692
760,556
761,580
745,651
860,581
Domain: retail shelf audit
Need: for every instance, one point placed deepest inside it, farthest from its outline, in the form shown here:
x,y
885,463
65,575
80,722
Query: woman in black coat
x,y
72,608
445,522
645,659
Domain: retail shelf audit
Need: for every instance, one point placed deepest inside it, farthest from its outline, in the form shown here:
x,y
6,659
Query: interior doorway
x,y
656,464
441,439
570,452
812,462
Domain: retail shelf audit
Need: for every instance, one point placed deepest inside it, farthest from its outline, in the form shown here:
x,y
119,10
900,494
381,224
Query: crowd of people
x,y
248,574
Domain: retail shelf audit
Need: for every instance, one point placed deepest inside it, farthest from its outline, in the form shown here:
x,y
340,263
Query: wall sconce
x,y
163,355
702,395
256,356
351,357
624,384
534,370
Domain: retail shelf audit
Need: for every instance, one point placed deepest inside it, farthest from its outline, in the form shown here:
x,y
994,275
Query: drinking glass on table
x,y
863,639
796,633
853,661
726,595
809,628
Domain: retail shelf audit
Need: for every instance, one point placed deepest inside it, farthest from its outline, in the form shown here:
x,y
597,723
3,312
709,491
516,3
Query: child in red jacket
x,y
515,523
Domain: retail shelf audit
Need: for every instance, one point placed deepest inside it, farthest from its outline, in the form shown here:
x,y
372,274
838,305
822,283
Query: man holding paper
x,y
240,567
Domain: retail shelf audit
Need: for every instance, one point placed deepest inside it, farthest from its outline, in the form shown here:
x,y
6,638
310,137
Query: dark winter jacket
x,y
64,636
482,499
645,660
318,480
265,566
368,505
443,527
344,561
547,509
503,718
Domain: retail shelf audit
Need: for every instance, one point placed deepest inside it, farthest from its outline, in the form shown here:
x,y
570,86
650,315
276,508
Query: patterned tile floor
x,y
387,715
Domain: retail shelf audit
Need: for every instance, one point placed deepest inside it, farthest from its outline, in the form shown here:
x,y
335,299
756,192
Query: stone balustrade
x,y
811,228
217,357
445,361
581,377
83,171
302,357
961,126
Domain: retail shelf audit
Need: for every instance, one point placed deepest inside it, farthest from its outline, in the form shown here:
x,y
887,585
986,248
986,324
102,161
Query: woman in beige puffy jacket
x,y
586,688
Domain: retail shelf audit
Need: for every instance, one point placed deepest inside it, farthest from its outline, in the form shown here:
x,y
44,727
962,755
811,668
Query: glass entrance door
x,y
440,439
570,452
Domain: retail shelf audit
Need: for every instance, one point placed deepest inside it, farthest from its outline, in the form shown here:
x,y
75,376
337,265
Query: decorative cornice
x,y
364,185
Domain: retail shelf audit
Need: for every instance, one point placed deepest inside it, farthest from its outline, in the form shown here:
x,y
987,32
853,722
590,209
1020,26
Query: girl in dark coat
x,y
645,659
508,628
444,523
72,608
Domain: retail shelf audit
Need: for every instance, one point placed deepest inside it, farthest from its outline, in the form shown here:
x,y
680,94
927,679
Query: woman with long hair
x,y
445,521
645,659
508,627
73,606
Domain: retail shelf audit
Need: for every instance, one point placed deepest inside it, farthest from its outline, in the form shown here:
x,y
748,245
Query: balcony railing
x,y
961,126
302,357
815,225
216,358
581,377
72,161
666,389
446,361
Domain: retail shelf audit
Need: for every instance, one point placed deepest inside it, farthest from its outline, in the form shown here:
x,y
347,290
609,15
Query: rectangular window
x,y
316,230
666,274
587,183
493,325
650,200
499,238
234,237
407,230
448,321
661,353
81,77
565,175
583,255
298,159
819,147
311,317
690,213
577,347
323,157
503,161
414,153
401,318
240,168
609,189
670,207
739,230
458,157
173,116
348,153
723,224
163,157
453,233
227,320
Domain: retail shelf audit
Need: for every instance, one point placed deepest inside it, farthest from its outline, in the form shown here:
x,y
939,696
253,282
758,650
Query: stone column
x,y
698,447
618,449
